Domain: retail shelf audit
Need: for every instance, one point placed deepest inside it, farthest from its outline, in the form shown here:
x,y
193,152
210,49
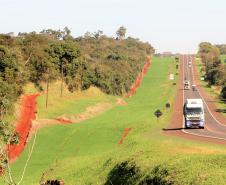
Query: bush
x,y
223,93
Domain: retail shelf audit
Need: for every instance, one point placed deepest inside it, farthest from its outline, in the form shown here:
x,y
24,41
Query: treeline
x,y
50,55
222,48
215,71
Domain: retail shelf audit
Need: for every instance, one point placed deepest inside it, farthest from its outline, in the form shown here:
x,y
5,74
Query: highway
x,y
213,128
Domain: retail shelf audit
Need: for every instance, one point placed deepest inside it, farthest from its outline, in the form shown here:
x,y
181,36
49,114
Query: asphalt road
x,y
213,128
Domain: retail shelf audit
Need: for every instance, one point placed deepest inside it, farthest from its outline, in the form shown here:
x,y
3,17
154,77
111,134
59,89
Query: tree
x,y
98,34
210,56
56,34
121,33
79,75
67,34
42,70
222,48
11,81
63,53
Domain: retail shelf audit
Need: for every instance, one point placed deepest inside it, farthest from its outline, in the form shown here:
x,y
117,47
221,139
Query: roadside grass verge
x,y
211,91
88,153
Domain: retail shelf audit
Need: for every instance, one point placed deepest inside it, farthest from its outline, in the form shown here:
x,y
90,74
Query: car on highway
x,y
186,85
194,113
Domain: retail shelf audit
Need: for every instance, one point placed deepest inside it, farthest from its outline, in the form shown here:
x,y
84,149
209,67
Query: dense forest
x,y
94,59
215,71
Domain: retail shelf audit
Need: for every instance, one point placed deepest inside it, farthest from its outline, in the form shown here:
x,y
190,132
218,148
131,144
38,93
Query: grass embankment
x,y
70,103
88,153
211,91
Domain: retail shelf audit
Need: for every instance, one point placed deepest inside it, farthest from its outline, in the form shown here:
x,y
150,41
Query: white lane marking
x,y
183,123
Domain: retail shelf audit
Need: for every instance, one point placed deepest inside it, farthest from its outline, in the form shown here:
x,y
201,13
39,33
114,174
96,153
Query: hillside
x,y
88,153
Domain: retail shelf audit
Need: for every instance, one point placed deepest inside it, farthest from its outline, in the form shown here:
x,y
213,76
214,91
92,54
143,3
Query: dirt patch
x,y
90,112
121,102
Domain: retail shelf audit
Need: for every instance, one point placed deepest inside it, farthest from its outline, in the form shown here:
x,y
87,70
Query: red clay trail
x,y
126,131
139,79
24,124
133,91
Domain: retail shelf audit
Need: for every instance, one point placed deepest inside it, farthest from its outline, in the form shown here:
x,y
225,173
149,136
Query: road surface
x,y
213,128
215,125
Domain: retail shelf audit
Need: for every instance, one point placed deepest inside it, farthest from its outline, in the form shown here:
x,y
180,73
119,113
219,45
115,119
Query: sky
x,y
169,25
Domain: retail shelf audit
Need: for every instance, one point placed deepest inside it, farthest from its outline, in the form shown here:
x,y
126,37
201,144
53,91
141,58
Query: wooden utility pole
x,y
62,81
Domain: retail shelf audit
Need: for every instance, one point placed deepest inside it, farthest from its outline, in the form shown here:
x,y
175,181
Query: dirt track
x,y
214,131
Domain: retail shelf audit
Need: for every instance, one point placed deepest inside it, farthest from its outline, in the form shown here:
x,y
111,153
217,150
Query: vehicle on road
x,y
193,87
194,113
186,85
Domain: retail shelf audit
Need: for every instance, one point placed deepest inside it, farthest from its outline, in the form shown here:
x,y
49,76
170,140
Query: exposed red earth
x,y
133,91
23,125
139,79
126,131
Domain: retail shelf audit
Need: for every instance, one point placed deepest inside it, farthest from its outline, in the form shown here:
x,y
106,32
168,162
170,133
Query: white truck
x,y
194,113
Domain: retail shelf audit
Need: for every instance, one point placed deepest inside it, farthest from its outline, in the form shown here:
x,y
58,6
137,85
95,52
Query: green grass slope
x,y
88,153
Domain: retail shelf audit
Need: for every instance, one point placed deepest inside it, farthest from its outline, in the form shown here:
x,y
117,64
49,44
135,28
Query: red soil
x,y
125,133
139,79
23,126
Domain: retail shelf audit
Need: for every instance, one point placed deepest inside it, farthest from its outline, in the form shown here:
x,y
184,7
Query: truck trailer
x,y
194,113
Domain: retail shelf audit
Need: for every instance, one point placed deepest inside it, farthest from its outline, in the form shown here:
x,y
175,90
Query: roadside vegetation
x,y
213,69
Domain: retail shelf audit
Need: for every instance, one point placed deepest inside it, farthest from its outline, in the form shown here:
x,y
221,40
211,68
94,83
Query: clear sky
x,y
169,25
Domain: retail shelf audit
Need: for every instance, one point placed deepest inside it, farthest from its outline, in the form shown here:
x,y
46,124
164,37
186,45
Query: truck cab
x,y
186,85
194,113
